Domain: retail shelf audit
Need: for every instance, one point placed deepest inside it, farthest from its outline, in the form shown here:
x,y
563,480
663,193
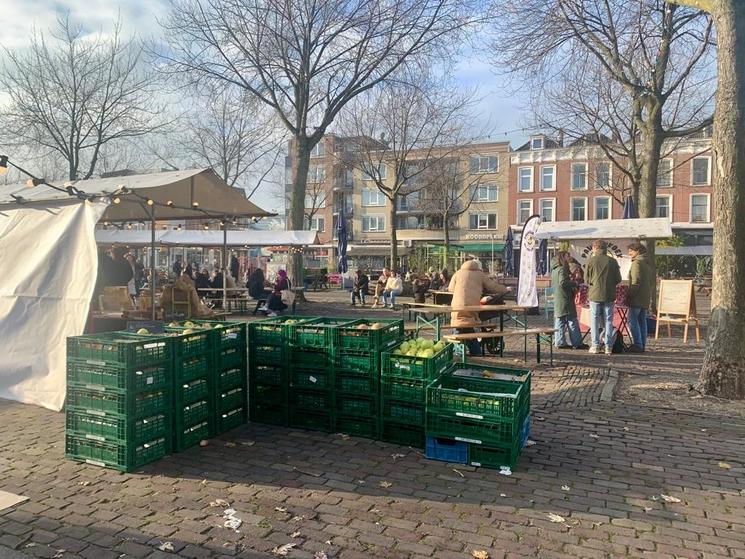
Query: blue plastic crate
x,y
447,450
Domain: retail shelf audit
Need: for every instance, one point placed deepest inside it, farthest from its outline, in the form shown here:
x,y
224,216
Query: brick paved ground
x,y
603,466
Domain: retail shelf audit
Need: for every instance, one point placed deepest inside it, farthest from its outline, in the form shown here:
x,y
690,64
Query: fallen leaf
x,y
505,471
725,466
653,498
280,509
556,518
343,436
230,445
539,418
320,555
458,472
84,483
502,495
385,484
669,498
594,436
529,443
625,428
204,443
283,550
60,553
232,522
327,542
295,534
248,443
166,546
647,509
298,518
565,488
397,456
219,503
479,554
361,481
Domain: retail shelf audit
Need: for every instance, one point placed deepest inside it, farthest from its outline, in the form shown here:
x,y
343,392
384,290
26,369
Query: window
x,y
482,221
602,207
315,200
382,169
372,197
524,210
602,175
536,143
548,178
665,172
407,202
319,150
579,176
579,209
700,171
484,164
485,193
664,207
373,223
525,179
317,224
348,178
700,208
316,173
547,209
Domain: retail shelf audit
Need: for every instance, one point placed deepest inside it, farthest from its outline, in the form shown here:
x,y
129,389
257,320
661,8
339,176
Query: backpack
x,y
618,346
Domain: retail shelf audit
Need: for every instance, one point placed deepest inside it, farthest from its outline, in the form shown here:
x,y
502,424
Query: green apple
x,y
143,331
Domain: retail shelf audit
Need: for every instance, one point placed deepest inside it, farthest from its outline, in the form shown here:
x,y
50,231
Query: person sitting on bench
x,y
274,303
256,285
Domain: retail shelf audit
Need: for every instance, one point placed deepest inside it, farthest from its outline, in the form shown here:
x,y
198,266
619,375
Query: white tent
x,y
47,240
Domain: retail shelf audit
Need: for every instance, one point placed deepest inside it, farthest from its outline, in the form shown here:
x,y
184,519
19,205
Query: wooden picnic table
x,y
420,310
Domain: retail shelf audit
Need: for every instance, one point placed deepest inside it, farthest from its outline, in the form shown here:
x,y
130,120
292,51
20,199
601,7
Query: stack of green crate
x,y
357,347
486,407
404,392
118,409
311,392
268,372
193,386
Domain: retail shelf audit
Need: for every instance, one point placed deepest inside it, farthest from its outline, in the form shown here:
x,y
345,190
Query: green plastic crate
x,y
267,394
493,456
314,421
191,390
354,383
274,375
311,400
97,374
107,402
309,359
267,354
406,435
317,333
365,363
190,345
119,456
191,435
470,396
356,406
231,398
404,390
473,430
192,367
230,419
420,368
352,337
231,377
310,379
269,414
403,413
116,429
273,331
121,348
231,357
227,333
495,372
357,426
192,413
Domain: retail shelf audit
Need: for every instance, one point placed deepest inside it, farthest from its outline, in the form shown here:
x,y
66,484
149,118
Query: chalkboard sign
x,y
676,298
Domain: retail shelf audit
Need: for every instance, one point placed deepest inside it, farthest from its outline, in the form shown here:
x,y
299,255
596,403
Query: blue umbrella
x,y
629,209
509,269
543,257
341,240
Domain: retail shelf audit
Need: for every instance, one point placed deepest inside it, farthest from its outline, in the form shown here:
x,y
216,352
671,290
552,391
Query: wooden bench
x,y
540,334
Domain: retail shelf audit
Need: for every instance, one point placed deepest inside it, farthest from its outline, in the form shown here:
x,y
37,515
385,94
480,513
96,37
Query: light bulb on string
x,y
3,164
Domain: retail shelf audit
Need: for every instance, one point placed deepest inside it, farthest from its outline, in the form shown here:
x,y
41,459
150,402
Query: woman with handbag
x,y
277,301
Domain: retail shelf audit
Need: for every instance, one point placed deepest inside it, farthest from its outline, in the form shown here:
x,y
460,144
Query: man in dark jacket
x,y
641,288
359,287
603,274
565,313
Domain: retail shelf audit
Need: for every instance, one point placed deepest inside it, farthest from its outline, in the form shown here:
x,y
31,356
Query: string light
x,y
3,164
129,226
149,201
169,203
32,182
117,200
195,204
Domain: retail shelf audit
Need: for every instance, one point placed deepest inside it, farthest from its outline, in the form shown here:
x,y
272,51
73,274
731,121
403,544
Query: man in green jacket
x,y
565,313
603,274
639,296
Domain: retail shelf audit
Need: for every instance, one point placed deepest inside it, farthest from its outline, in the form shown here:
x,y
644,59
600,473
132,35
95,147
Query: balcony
x,y
435,235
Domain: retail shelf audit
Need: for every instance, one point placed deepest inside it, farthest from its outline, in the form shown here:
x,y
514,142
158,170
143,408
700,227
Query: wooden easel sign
x,y
677,305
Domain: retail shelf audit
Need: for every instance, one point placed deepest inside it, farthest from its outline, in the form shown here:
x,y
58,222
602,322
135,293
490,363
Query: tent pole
x,y
152,262
224,264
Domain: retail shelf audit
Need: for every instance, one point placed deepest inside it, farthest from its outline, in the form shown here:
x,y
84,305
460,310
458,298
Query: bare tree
x,y
306,60
77,94
418,122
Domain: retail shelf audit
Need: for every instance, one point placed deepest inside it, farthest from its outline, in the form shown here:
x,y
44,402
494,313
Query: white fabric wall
x,y
581,249
49,272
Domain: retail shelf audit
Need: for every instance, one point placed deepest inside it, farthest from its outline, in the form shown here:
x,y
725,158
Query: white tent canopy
x,y
640,228
193,238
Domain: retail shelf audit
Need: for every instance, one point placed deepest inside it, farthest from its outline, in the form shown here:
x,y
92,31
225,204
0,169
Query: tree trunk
x,y
723,371
300,164
394,233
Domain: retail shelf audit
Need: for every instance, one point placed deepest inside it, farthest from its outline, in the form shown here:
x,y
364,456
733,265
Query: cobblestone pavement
x,y
623,480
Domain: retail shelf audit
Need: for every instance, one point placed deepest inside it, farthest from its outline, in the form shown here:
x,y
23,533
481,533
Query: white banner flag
x,y
527,295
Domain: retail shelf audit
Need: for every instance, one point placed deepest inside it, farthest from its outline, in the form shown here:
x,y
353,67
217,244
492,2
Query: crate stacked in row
x,y
478,415
119,409
406,372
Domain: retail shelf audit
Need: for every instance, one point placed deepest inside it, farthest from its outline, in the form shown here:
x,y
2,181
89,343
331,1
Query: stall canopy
x,y
189,238
183,189
641,228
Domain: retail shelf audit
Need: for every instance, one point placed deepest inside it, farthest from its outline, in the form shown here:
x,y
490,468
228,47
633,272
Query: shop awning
x,y
642,228
482,247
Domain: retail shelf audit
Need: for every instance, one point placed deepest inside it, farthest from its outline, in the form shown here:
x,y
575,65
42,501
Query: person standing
x,y
393,287
565,313
603,274
380,286
641,288
177,267
235,266
359,288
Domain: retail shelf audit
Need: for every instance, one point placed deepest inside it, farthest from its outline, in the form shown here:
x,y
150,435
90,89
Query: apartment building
x,y
577,182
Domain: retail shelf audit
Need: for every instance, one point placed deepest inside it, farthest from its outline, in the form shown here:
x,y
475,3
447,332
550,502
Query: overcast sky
x,y
498,106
